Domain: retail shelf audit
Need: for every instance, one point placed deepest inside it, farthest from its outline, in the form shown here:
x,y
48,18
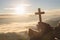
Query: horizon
x,y
23,12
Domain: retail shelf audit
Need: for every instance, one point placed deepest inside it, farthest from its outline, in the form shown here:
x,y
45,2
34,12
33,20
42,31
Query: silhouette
x,y
23,35
39,13
57,31
44,30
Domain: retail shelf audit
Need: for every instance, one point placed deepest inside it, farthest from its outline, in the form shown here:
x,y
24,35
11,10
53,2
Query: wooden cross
x,y
39,13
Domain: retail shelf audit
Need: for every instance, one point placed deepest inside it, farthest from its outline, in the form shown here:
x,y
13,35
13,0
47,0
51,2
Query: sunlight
x,y
20,9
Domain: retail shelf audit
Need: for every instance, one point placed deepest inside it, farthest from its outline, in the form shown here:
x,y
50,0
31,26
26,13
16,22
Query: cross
x,y
39,13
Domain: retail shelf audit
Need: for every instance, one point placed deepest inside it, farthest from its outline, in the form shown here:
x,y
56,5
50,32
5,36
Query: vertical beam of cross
x,y
39,13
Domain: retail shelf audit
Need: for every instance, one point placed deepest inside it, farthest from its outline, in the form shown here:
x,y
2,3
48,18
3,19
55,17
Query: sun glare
x,y
20,9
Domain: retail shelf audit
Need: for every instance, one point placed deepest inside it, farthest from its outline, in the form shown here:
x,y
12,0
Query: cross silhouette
x,y
39,13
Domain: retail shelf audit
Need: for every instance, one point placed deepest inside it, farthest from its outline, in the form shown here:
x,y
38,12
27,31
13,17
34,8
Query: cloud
x,y
53,12
15,27
32,17
27,21
9,8
15,5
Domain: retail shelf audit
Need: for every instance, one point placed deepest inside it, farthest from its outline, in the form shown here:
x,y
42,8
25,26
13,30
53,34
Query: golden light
x,y
20,9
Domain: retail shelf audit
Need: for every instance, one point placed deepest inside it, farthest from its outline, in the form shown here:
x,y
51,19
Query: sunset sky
x,y
9,23
9,6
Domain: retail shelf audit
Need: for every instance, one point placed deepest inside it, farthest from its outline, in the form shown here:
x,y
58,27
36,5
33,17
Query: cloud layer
x,y
26,20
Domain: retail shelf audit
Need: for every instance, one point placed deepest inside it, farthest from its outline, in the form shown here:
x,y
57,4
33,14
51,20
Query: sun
x,y
20,9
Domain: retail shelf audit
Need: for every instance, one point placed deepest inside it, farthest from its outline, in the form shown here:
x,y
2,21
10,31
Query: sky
x,y
51,8
5,5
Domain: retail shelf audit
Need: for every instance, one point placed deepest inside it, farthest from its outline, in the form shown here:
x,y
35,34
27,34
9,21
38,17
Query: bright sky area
x,y
10,6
